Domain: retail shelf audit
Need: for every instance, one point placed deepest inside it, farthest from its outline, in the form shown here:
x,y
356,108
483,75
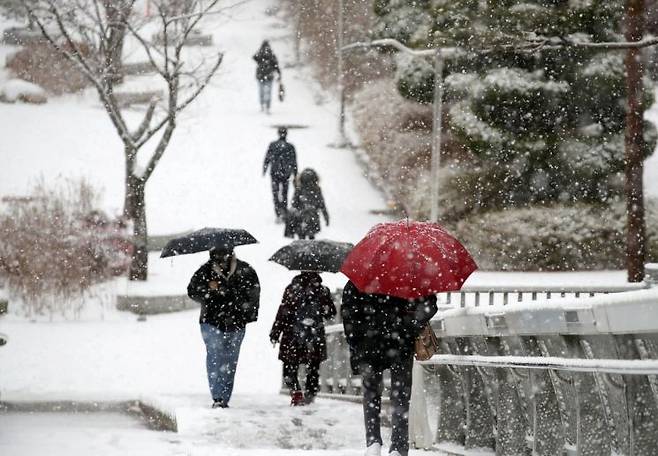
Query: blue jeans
x,y
222,351
265,93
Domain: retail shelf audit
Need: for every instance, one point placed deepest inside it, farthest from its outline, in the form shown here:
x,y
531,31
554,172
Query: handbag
x,y
282,91
426,345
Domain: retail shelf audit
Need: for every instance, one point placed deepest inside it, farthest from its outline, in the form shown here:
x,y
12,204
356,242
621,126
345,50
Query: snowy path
x,y
210,176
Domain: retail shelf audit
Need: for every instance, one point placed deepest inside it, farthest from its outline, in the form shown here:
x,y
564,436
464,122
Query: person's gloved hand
x,y
274,340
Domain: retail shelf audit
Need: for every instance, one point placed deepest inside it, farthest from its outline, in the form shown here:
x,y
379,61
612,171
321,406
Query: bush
x,y
41,64
555,238
394,139
55,246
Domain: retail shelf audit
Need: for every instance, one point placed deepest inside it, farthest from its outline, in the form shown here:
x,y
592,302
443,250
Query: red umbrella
x,y
408,260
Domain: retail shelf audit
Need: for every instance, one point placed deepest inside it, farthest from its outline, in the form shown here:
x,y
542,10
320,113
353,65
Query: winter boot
x,y
296,398
375,449
218,403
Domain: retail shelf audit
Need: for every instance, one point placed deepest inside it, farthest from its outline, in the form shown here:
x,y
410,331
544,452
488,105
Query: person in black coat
x,y
308,203
229,292
266,66
281,159
299,323
381,331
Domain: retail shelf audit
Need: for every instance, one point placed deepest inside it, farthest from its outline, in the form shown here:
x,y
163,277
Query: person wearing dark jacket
x,y
381,331
299,323
229,292
281,159
266,66
307,204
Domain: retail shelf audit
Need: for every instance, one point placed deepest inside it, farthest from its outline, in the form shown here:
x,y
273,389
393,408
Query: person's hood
x,y
233,265
307,278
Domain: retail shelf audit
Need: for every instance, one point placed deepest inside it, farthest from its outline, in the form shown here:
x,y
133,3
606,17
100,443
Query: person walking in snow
x,y
381,331
266,66
229,292
300,326
281,159
307,204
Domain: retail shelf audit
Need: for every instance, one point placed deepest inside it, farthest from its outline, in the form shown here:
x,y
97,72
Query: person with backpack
x,y
303,219
266,66
299,325
381,331
281,159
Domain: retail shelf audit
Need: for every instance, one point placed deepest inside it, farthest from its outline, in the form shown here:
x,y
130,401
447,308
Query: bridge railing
x,y
569,374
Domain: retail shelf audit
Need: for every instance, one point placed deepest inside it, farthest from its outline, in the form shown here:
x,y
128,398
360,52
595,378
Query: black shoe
x,y
219,404
309,398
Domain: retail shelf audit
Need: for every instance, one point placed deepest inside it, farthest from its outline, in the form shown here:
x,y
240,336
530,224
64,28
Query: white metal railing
x,y
485,295
570,370
607,366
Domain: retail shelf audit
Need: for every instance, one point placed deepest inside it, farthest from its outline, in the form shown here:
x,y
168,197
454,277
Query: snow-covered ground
x,y
211,175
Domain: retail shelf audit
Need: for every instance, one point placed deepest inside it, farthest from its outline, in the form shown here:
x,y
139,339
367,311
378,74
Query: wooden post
x,y
634,142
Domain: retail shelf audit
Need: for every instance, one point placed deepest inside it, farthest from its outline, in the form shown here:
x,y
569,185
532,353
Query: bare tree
x,y
102,26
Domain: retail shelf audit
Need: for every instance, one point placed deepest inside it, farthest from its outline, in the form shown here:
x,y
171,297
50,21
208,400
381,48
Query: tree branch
x,y
78,59
151,132
148,117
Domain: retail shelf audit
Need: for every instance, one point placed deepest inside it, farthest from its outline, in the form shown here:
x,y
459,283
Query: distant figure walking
x,y
267,65
229,293
299,323
281,158
303,219
381,331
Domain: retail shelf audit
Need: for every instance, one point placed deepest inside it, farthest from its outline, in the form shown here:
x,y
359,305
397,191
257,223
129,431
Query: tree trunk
x,y
634,142
117,16
135,209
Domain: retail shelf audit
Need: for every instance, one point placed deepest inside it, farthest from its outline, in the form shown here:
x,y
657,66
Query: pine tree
x,y
544,126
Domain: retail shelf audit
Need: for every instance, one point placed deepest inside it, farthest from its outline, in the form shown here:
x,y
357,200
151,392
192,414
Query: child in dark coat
x,y
303,218
300,326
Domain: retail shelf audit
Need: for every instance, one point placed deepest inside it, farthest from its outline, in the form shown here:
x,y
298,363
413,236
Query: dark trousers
x,y
280,196
291,379
400,395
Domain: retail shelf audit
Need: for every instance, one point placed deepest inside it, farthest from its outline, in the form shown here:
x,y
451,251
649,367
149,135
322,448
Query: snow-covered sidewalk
x,y
210,176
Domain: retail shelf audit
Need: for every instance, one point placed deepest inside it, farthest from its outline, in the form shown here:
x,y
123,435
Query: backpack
x,y
308,320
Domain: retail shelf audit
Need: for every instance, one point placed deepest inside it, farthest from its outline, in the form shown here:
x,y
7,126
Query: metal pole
x,y
436,135
341,141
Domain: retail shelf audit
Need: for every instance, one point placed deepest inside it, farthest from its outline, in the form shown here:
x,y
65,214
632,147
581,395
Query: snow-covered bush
x,y
41,64
22,91
553,238
55,245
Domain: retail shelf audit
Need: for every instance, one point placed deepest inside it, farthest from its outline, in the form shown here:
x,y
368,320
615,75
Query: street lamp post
x,y
341,140
437,119
437,107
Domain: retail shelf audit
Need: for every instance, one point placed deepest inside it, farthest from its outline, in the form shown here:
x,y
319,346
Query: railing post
x,y
642,407
479,421
651,274
421,434
547,426
511,424
451,419
594,437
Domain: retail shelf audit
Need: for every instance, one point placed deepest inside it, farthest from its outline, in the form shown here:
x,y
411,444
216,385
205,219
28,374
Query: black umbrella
x,y
312,255
206,239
